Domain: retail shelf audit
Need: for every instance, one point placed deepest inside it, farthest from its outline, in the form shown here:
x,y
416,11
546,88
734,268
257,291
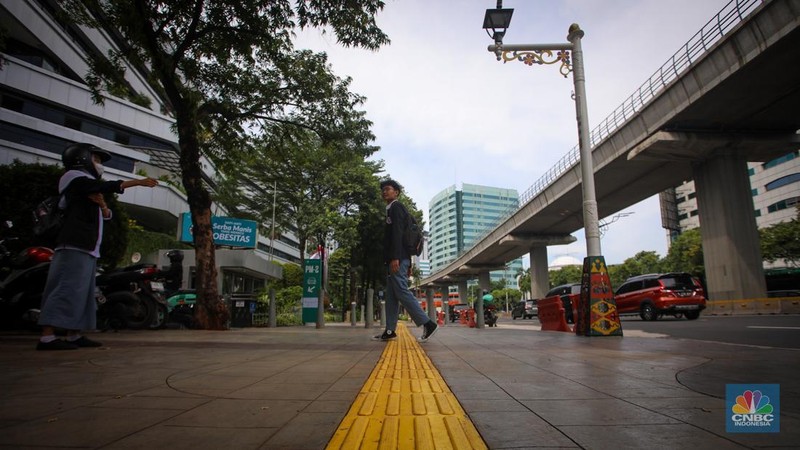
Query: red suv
x,y
655,294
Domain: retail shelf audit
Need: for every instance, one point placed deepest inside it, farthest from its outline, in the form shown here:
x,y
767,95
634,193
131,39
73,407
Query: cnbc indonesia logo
x,y
753,408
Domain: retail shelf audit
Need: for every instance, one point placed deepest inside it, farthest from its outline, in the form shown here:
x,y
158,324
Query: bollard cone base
x,y
597,311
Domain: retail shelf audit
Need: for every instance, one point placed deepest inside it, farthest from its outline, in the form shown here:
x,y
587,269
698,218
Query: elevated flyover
x,y
729,96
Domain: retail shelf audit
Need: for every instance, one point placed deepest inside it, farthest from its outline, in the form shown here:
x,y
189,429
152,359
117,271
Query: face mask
x,y
99,169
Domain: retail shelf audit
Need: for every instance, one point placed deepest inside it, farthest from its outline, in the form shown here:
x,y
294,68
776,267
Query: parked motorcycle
x,y
132,298
23,275
490,315
180,302
489,311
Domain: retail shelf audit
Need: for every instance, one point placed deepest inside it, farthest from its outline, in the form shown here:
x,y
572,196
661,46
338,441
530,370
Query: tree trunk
x,y
212,313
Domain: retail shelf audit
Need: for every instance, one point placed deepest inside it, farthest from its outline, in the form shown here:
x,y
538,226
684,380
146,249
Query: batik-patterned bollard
x,y
597,311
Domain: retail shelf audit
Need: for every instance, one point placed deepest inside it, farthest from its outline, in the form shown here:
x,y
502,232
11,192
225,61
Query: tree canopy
x,y
227,71
781,242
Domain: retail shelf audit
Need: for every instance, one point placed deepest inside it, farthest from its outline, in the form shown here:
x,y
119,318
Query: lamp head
x,y
497,20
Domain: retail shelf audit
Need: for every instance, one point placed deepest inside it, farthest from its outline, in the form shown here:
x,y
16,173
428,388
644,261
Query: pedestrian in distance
x,y
398,263
68,301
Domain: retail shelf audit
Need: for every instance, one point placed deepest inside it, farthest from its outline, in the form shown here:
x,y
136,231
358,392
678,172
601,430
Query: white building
x,y
45,104
775,188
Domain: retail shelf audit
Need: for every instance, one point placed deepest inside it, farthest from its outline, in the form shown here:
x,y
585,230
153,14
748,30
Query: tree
x,y
686,254
639,264
317,186
525,282
227,71
781,241
566,275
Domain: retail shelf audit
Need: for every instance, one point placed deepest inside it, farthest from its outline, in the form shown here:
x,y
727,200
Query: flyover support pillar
x,y
484,282
445,303
431,301
463,293
731,244
540,278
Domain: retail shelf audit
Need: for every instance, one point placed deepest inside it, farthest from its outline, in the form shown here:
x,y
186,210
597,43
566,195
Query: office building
x,y
46,104
460,217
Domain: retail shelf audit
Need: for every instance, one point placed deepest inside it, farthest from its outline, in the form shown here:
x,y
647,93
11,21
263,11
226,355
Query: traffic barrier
x,y
440,318
778,305
551,315
768,306
744,307
471,318
462,317
789,305
718,307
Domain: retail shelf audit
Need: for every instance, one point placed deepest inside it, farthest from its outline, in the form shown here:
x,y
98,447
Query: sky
x,y
446,112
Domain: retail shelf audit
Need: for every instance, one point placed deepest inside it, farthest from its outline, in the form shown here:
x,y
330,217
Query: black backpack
x,y
413,239
48,218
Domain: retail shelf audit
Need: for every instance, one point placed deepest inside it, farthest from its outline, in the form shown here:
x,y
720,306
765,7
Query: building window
x,y
758,213
754,192
783,204
783,181
780,160
692,195
693,213
751,171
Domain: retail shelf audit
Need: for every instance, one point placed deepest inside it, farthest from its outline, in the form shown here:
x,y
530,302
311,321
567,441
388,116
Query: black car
x,y
526,309
454,309
569,294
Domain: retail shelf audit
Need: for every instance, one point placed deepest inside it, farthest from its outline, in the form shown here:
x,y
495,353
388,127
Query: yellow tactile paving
x,y
405,404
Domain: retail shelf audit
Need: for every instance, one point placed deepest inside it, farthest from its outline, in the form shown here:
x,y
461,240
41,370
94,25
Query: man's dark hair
x,y
393,184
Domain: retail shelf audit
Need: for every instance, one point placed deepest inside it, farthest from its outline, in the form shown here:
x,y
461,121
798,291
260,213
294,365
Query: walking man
x,y
398,261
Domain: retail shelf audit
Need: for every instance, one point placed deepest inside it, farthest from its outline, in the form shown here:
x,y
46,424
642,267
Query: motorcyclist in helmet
x,y
68,300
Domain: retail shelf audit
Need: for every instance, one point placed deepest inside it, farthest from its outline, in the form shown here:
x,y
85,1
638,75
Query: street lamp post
x,y
596,285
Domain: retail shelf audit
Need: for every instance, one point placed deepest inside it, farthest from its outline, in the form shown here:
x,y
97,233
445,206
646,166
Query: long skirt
x,y
68,301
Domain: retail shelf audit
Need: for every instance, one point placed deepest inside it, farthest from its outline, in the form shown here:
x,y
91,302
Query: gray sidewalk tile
x,y
651,437
82,427
194,438
309,430
240,413
609,411
528,430
290,387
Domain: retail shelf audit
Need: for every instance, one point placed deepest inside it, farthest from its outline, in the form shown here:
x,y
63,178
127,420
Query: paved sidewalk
x,y
290,387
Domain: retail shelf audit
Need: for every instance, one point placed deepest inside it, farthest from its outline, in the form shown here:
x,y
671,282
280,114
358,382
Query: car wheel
x,y
648,312
691,315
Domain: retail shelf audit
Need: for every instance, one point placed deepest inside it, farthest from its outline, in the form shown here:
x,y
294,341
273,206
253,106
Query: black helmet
x,y
79,156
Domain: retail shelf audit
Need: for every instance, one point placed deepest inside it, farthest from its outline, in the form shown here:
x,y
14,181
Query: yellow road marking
x,y
405,404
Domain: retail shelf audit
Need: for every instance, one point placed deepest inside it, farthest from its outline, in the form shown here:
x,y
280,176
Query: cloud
x,y
445,111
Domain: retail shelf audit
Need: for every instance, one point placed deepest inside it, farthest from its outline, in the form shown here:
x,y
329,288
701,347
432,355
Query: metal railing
x,y
726,19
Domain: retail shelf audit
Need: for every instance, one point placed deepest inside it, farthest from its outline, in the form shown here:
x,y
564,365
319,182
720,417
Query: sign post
x,y
312,279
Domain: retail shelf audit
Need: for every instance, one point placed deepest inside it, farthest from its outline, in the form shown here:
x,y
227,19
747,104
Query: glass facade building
x,y
460,217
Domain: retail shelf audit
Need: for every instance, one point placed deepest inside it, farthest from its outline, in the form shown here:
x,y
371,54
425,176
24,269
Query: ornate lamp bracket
x,y
541,57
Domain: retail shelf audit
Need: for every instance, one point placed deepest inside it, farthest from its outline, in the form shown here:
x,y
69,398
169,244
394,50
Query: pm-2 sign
x,y
312,278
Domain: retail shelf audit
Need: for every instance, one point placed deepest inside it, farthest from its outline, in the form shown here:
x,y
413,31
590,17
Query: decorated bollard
x,y
597,311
